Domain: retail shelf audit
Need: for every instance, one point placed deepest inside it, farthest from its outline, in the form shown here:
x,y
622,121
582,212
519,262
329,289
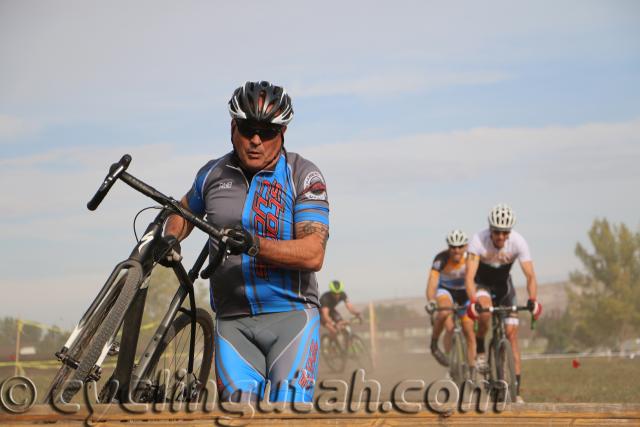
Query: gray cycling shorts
x,y
281,348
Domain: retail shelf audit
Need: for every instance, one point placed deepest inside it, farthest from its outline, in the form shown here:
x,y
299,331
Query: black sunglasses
x,y
504,232
248,129
456,247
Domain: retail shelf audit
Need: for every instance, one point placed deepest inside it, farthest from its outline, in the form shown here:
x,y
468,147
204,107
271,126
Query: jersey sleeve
x,y
195,195
438,263
475,246
324,299
312,203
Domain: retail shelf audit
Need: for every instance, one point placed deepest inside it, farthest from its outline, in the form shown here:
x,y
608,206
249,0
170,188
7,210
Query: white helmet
x,y
457,238
502,217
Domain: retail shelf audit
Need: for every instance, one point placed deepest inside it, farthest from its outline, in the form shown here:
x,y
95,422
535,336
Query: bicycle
x,y
120,305
337,354
501,358
459,369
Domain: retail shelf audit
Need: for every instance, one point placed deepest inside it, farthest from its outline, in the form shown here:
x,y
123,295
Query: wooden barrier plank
x,y
523,415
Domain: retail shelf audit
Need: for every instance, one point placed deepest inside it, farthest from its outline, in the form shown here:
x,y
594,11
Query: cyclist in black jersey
x,y
329,316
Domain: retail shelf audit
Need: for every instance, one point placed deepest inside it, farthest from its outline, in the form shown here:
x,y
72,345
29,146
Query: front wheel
x,y
504,370
360,352
99,344
87,332
172,357
332,353
458,364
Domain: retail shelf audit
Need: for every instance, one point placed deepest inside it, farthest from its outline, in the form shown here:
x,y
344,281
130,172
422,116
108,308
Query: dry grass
x,y
614,380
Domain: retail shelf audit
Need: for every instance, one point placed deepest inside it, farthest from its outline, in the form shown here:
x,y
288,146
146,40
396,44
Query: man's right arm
x,y
432,284
327,321
177,226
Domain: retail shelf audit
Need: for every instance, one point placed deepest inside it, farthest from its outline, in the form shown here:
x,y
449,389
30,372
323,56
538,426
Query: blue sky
x,y
422,115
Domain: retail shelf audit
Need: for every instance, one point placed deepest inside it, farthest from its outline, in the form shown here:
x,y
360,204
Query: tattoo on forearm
x,y
310,227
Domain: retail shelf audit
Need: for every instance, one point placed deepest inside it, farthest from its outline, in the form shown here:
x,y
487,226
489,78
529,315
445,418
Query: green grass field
x,y
606,380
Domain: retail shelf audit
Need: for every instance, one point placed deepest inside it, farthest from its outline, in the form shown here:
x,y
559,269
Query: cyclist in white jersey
x,y
491,255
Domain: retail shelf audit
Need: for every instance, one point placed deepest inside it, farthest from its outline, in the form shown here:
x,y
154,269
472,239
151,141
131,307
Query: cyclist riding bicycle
x,y
446,287
274,209
492,253
330,317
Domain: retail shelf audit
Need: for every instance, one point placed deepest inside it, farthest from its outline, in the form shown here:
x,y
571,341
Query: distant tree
x,y
558,330
52,341
46,341
162,286
605,307
8,331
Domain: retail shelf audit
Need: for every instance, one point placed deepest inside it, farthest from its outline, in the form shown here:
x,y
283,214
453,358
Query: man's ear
x,y
284,129
233,127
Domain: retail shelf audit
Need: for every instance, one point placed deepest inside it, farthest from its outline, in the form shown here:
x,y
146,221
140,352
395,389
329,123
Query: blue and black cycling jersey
x,y
268,204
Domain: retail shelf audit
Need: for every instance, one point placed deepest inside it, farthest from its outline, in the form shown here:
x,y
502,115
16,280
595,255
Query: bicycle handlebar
x,y
114,172
503,309
117,171
508,309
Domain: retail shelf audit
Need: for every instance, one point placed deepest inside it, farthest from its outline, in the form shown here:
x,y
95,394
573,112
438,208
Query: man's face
x,y
499,238
257,145
457,252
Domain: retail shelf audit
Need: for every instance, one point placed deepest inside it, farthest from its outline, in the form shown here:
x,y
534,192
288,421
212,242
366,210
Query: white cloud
x,y
12,127
61,181
597,150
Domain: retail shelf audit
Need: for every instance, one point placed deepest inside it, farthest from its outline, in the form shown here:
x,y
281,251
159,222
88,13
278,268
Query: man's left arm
x,y
532,283
304,252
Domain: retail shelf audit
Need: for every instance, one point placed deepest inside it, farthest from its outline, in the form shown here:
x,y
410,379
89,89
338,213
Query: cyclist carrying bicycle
x,y
446,287
330,317
273,207
492,253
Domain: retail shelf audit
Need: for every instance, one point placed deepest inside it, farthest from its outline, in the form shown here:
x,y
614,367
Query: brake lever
x,y
218,260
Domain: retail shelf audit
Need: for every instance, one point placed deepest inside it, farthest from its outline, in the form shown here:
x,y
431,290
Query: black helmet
x,y
276,108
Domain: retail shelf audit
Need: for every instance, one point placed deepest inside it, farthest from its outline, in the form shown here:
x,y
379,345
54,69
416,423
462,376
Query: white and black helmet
x,y
457,238
276,106
502,217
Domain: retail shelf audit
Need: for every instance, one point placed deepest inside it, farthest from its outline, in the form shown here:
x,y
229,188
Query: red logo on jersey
x,y
267,206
